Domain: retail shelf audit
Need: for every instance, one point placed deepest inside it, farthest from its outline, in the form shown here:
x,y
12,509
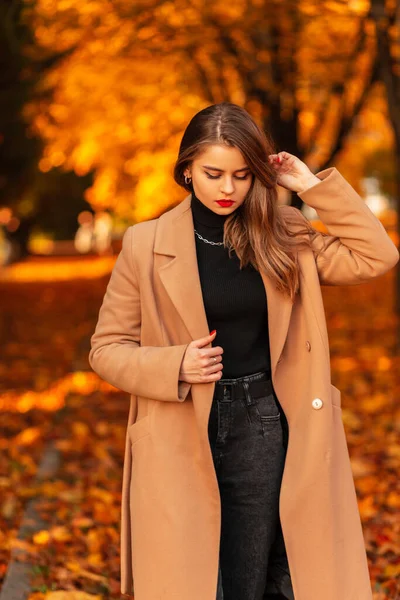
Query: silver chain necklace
x,y
208,241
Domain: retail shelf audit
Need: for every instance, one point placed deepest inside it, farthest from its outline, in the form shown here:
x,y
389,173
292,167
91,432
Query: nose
x,y
227,186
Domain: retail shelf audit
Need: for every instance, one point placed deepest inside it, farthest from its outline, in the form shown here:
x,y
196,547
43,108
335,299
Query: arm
x,y
116,355
357,247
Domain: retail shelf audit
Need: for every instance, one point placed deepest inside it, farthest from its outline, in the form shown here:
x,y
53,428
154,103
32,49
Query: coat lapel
x,y
180,277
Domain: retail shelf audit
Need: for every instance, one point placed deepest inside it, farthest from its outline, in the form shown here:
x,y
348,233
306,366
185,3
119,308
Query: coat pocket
x,y
336,397
139,429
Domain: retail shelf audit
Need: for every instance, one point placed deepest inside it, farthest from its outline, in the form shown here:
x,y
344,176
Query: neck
x,y
204,215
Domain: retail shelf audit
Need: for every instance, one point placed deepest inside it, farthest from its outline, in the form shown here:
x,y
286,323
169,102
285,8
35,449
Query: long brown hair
x,y
257,230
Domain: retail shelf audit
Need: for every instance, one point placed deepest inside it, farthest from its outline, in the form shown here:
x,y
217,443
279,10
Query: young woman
x,y
237,482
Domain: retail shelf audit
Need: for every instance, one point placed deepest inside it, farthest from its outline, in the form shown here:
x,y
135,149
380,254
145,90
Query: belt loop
x,y
246,391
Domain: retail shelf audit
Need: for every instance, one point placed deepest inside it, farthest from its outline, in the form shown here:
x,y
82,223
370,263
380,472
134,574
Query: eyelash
x,y
217,176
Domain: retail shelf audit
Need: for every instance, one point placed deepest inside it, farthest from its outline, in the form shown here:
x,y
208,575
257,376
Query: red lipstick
x,y
225,203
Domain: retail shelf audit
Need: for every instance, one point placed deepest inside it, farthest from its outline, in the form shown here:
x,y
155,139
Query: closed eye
x,y
218,176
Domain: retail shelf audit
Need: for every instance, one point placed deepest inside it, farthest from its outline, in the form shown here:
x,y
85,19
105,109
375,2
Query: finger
x,y
281,157
214,351
214,376
286,155
204,340
211,369
278,158
213,360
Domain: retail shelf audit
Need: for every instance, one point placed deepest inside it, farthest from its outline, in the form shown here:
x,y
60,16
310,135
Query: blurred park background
x,y
94,99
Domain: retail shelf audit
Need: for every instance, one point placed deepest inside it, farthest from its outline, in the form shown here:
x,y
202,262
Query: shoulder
x,y
142,236
146,231
291,213
140,233
293,217
138,239
296,224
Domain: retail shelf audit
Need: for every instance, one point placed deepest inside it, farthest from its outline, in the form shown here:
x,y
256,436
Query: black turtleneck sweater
x,y
235,300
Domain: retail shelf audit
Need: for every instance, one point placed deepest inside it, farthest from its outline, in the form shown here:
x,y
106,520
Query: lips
x,y
225,203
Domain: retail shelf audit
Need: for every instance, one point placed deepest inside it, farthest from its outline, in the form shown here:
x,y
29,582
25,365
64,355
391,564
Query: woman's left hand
x,y
293,174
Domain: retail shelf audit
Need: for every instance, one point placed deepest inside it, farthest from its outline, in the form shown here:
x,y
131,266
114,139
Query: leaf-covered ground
x,y
45,329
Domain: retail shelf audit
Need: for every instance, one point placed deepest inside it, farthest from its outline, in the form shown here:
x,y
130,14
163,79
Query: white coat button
x,y
317,403
308,345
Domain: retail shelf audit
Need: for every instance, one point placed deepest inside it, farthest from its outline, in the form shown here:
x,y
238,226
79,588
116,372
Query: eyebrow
x,y
221,170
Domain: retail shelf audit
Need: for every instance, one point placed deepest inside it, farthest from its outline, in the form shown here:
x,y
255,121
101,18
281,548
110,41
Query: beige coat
x,y
171,513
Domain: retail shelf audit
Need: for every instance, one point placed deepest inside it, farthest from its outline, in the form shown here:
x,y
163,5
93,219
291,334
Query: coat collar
x,y
180,277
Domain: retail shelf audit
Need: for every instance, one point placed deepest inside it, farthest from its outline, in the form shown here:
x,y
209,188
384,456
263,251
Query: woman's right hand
x,y
198,364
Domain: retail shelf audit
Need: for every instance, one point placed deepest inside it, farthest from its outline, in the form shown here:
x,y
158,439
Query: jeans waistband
x,y
251,387
259,376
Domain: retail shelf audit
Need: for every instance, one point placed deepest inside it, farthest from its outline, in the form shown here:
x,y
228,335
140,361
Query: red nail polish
x,y
213,331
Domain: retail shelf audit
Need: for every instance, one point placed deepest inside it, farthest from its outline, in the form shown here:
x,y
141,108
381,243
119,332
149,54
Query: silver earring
x,y
187,180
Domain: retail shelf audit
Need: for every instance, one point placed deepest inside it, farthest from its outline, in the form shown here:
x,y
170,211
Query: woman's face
x,y
220,173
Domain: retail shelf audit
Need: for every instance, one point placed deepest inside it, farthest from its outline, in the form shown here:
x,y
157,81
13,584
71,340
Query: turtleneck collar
x,y
204,215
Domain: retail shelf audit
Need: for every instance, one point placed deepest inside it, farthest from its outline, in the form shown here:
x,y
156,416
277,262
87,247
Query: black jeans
x,y
248,439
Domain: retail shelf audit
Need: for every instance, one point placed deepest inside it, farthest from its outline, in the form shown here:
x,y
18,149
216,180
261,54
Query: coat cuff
x,y
159,373
332,184
183,386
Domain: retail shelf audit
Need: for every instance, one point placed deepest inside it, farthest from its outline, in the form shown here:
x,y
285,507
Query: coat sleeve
x,y
116,354
357,247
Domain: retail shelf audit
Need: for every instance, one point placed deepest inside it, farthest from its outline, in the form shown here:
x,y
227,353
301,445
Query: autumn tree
x,y
135,74
52,200
386,20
